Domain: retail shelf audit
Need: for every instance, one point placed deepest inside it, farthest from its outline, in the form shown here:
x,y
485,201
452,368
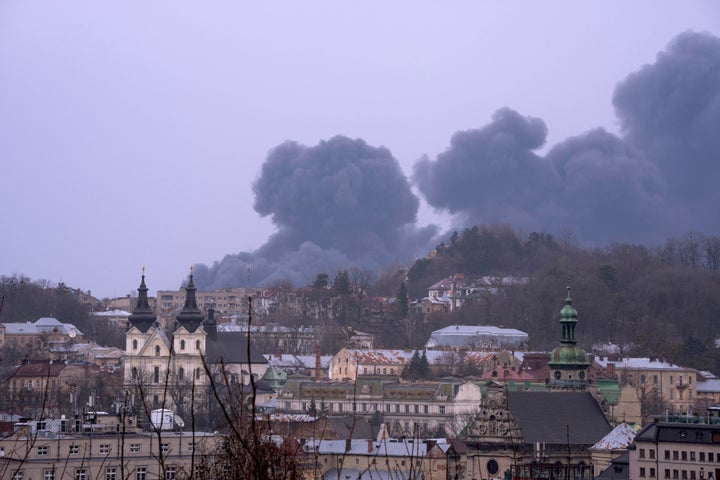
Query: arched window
x,y
182,344
197,344
197,373
135,344
134,373
181,373
157,350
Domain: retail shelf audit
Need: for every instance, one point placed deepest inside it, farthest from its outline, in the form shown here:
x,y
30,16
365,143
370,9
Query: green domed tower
x,y
568,362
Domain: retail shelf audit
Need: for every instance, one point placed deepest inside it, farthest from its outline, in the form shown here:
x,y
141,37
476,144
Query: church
x,y
539,432
191,368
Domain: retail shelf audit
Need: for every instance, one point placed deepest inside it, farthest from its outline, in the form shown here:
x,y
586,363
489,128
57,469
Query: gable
x,y
157,338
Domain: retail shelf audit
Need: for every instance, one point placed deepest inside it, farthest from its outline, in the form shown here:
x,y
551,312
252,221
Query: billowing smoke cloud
x,y
339,204
492,175
662,177
670,111
344,203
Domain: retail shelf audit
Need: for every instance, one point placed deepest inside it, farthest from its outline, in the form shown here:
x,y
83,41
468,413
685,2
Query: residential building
x,y
661,385
477,337
677,448
33,335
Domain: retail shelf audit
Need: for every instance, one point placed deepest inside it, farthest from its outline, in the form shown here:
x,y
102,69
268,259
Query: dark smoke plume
x,y
339,204
344,203
670,111
661,178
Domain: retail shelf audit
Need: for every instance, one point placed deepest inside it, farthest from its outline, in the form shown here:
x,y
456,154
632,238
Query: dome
x,y
568,355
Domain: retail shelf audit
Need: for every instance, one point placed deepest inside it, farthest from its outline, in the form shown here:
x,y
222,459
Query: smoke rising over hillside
x,y
344,203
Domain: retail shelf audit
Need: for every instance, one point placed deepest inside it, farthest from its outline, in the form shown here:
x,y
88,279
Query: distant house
x,y
31,335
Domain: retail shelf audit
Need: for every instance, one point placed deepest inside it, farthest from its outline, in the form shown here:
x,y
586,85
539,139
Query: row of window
x,y
111,473
157,347
106,448
373,407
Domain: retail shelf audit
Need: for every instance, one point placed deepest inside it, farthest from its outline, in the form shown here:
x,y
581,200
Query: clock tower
x,y
568,363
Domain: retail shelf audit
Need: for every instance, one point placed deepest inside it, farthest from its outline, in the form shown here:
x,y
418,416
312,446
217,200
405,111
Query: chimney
x,y
317,363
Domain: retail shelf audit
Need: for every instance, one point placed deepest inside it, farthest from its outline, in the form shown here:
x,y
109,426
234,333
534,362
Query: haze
x,y
302,137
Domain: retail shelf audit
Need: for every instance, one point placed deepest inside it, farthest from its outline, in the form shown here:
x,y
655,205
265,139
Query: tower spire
x,y
142,317
190,316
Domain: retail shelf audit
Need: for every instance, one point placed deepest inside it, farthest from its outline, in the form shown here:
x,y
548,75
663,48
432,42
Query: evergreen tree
x,y
341,284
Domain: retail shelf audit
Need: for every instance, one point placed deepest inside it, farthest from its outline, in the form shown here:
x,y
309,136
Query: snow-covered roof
x,y
41,325
640,363
112,313
708,386
620,437
369,448
464,335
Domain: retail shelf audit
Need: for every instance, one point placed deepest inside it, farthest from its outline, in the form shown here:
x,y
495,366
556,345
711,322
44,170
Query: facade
x,y
677,448
118,452
407,408
168,372
661,385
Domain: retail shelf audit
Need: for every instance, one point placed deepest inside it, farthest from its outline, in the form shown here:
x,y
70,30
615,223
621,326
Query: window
x,y
192,447
692,474
683,474
417,408
164,447
197,344
397,408
170,473
667,454
49,474
667,473
651,453
181,373
652,472
675,474
74,449
140,473
683,455
692,456
407,408
642,453
111,473
80,474
157,350
387,408
675,455
710,457
642,472
134,447
655,379
442,409
43,450
156,374
104,448
671,379
134,373
425,409
702,456
197,374
182,344
19,475
134,344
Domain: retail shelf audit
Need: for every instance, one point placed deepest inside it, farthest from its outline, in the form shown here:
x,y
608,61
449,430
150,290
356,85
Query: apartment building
x,y
407,408
677,448
110,454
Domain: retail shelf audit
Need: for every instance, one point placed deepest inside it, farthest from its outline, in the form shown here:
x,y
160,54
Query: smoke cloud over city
x,y
344,203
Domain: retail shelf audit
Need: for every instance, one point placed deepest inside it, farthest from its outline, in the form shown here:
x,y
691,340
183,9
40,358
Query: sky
x,y
270,141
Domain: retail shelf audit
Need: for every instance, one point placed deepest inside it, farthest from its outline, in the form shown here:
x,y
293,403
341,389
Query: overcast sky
x,y
132,133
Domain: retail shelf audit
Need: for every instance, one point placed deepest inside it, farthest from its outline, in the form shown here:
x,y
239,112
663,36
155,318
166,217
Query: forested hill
x,y
663,301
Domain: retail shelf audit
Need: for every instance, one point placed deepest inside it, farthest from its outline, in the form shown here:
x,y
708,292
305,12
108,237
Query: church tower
x,y
568,363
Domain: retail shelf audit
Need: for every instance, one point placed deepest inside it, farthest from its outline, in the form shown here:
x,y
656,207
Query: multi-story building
x,y
407,407
677,448
112,451
661,385
32,335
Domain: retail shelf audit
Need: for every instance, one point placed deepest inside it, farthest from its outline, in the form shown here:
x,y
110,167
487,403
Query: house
x,y
612,446
477,337
33,335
